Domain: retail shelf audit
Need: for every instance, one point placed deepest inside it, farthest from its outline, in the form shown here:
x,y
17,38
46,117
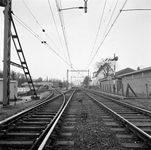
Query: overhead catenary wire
x,y
32,15
64,33
108,32
56,28
106,28
43,30
37,37
27,27
97,32
110,18
104,20
57,54
63,29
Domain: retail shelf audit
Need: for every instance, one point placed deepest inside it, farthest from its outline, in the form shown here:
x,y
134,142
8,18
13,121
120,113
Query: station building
x,y
134,82
139,81
113,84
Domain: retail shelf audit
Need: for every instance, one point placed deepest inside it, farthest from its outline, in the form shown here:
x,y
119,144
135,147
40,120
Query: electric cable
x,y
37,36
107,33
56,28
26,27
57,54
97,33
43,30
63,29
110,18
98,29
33,15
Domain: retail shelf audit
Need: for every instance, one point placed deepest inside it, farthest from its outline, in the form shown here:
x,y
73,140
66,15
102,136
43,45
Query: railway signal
x,y
114,59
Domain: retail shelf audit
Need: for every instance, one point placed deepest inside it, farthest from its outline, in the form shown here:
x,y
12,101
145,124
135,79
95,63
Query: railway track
x,y
132,125
85,120
27,129
78,127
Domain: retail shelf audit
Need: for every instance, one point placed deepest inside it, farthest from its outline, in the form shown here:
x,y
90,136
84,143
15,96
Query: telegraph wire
x,y
108,32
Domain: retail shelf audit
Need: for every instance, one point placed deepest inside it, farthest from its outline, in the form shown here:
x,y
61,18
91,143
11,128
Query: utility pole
x,y
7,48
114,59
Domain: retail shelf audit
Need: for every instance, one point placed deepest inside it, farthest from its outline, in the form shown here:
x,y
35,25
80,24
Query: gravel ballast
x,y
16,107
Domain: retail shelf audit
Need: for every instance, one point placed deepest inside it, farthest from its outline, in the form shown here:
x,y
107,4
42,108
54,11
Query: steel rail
x,y
140,133
20,114
147,112
42,145
28,110
43,134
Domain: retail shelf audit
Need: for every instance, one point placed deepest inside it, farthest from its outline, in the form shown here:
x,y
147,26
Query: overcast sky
x,y
129,37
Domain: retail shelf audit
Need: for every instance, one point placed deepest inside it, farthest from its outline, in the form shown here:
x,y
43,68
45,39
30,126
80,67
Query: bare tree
x,y
106,66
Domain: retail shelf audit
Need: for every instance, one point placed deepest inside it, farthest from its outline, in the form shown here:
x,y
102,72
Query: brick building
x,y
139,81
114,84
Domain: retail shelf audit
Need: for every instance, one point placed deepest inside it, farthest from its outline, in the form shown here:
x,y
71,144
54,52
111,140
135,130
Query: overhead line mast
x,y
7,48
7,53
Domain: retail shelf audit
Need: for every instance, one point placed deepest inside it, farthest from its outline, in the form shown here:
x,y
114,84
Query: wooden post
x,y
122,89
7,47
147,90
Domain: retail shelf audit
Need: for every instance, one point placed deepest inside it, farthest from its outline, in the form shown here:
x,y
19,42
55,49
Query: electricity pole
x,y
7,48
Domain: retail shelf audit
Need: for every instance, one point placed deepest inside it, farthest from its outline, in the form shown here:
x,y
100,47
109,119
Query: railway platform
x,y
112,95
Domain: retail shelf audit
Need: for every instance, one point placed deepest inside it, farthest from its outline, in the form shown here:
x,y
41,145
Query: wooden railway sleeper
x,y
3,132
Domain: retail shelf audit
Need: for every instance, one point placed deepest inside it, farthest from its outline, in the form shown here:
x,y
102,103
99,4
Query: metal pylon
x,y
22,59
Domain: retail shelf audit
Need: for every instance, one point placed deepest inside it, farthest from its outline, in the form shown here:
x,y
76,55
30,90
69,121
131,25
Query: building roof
x,y
119,73
136,71
123,71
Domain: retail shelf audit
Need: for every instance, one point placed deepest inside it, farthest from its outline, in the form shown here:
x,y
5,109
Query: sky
x,y
128,36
